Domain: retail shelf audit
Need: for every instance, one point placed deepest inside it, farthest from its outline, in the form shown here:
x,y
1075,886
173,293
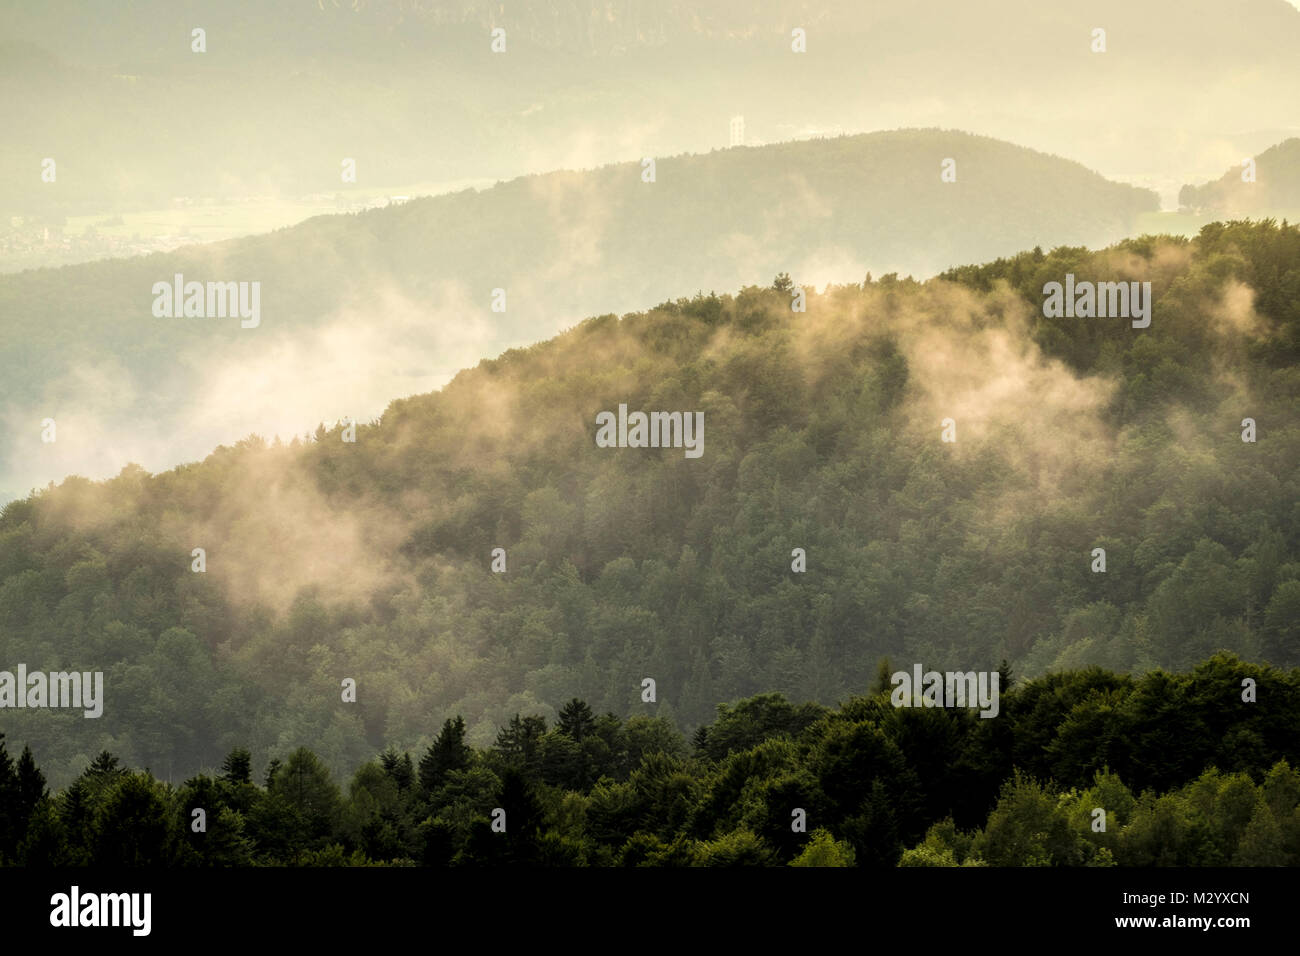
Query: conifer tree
x,y
448,752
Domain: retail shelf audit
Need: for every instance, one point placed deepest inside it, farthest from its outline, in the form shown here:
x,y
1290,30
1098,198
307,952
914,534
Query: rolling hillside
x,y
1273,190
372,560
356,310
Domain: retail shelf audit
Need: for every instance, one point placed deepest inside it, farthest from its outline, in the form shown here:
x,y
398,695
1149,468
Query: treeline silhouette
x,y
1186,769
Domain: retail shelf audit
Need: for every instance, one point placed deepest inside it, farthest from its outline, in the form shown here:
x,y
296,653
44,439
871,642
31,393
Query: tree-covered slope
x,y
372,559
360,309
1271,188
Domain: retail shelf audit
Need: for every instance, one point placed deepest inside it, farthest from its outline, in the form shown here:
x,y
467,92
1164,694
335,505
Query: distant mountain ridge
x,y
611,27
395,300
1272,187
296,87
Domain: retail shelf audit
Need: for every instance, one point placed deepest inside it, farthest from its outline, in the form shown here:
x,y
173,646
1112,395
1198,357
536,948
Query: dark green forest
x,y
1186,772
371,561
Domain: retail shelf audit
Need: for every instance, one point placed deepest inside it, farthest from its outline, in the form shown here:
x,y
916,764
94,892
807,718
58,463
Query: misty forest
x,y
362,580
372,560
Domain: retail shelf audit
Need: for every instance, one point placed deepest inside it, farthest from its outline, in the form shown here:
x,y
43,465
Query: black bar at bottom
x,y
944,906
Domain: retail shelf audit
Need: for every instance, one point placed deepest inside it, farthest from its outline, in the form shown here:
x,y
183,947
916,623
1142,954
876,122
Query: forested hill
x,y
358,309
1272,188
372,560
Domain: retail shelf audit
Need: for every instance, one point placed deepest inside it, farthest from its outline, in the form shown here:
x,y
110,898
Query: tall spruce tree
x,y
576,719
237,767
448,752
